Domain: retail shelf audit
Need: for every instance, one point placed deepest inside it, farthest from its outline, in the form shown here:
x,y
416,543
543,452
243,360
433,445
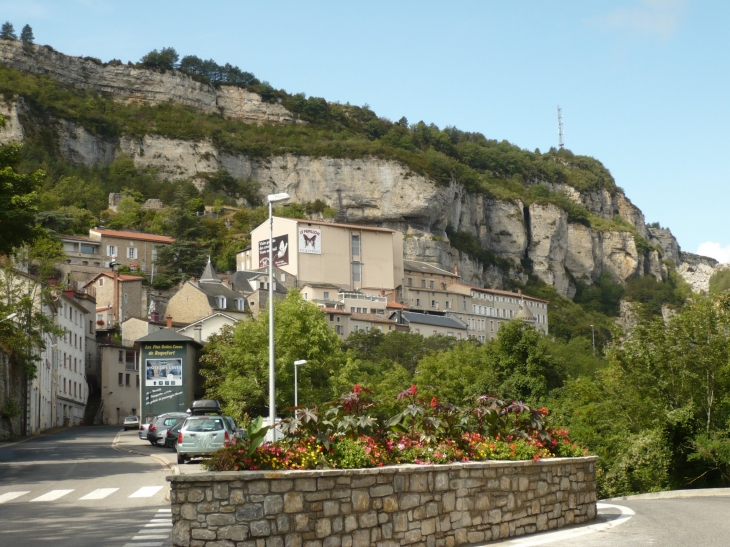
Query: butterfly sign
x,y
310,240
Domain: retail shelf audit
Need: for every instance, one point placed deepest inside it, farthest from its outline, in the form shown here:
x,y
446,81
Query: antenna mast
x,y
560,128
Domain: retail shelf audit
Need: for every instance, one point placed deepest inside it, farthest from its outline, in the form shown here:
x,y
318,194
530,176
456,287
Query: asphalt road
x,y
73,489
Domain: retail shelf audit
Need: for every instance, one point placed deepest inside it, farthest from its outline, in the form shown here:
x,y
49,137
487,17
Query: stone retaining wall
x,y
430,506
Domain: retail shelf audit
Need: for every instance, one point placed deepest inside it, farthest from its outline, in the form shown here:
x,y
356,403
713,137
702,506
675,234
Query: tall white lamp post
x,y
297,364
272,198
9,317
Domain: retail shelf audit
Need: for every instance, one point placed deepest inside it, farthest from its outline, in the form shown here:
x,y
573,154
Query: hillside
x,y
504,216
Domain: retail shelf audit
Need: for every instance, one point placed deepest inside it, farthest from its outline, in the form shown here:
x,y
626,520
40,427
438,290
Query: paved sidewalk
x,y
129,441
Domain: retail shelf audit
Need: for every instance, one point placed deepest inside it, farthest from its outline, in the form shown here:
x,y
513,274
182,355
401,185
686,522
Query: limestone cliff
x,y
537,237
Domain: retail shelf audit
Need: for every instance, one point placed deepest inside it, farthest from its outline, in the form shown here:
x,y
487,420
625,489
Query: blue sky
x,y
643,83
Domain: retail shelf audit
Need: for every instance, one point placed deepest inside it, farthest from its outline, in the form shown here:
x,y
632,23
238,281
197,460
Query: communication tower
x,y
560,128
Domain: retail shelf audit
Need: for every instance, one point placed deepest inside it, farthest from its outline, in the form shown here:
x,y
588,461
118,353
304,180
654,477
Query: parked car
x,y
158,429
172,434
143,429
131,422
200,436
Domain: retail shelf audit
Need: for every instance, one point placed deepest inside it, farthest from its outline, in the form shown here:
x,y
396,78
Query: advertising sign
x,y
281,251
163,372
310,240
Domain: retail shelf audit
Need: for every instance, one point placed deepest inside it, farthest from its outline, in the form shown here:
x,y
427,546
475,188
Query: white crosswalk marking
x,y
158,525
149,536
53,495
146,492
146,544
99,494
8,496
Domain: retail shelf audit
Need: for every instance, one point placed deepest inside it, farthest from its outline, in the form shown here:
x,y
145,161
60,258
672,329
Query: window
x,y
101,281
443,286
283,278
356,271
434,304
240,304
449,333
74,389
75,365
131,252
133,412
430,284
434,332
111,250
418,331
154,255
306,296
355,245
423,283
338,319
418,301
121,379
447,304
352,310
410,281
221,301
121,356
338,329
491,326
64,385
332,317
126,379
91,325
87,249
326,295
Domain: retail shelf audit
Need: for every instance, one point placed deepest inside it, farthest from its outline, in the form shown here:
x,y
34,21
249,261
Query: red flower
x,y
434,402
414,389
356,388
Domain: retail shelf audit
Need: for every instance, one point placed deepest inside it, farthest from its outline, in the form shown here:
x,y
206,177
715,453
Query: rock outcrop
x,y
129,83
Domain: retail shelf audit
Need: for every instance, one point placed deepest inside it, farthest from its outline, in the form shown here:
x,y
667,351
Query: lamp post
x,y
593,336
272,198
297,364
9,317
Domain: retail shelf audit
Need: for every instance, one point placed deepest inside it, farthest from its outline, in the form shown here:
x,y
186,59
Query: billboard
x,y
163,372
310,240
281,251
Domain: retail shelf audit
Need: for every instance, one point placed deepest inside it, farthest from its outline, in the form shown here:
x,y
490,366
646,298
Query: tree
x,y
185,257
18,199
8,31
129,214
26,35
235,362
166,59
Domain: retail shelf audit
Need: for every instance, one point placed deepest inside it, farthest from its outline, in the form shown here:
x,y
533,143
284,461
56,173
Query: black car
x,y
172,433
158,429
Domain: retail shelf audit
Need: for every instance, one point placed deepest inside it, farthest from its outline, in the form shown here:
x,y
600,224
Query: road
x,y
72,489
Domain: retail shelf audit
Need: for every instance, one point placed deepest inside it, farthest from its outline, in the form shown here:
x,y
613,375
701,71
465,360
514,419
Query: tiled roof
x,y
396,305
138,236
122,278
165,335
372,317
435,320
335,310
503,293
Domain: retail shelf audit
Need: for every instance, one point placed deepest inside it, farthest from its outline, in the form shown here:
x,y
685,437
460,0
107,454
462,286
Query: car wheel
x,y
153,443
180,459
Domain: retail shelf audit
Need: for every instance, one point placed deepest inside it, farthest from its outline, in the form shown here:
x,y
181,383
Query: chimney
x,y
169,321
456,269
69,292
519,291
198,333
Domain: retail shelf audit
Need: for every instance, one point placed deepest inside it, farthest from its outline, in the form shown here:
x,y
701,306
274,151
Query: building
x,y
118,297
426,288
427,324
338,320
83,251
371,321
72,391
203,329
171,379
351,257
199,299
133,249
486,310
120,395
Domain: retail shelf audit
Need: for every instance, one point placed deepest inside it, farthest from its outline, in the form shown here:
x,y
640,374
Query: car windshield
x,y
215,424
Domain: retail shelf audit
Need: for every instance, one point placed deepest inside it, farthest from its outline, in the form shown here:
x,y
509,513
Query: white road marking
x,y
53,495
99,494
149,536
158,525
562,535
146,492
147,544
9,496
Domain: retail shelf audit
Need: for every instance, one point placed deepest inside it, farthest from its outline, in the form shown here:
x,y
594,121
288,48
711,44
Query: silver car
x,y
157,430
202,435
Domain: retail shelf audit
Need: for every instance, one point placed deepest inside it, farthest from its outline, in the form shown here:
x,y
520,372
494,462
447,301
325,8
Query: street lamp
x,y
9,317
593,336
272,198
297,364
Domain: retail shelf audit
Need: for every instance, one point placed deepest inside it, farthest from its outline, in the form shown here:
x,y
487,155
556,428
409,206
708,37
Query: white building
x,y
71,388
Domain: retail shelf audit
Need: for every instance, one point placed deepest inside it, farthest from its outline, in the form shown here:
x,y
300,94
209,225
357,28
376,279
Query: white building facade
x,y
72,390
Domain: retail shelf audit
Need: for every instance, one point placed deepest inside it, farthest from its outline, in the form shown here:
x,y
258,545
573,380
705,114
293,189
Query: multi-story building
x,y
72,391
118,297
351,257
120,382
486,310
426,288
427,324
133,249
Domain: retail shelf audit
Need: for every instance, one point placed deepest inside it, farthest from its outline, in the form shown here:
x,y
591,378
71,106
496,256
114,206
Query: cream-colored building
x,y
120,383
130,301
426,288
204,328
351,257
133,249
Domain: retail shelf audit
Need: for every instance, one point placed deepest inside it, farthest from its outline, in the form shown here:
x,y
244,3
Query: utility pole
x,y
560,128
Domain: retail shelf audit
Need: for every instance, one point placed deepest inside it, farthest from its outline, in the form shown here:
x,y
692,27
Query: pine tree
x,y
8,31
26,35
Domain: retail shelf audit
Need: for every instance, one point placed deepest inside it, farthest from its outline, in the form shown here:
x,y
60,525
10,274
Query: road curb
x,y
676,494
164,463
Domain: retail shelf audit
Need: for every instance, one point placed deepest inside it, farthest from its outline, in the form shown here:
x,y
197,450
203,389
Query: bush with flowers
x,y
353,432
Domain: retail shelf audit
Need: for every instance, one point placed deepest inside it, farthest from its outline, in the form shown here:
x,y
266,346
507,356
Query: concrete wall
x,y
424,506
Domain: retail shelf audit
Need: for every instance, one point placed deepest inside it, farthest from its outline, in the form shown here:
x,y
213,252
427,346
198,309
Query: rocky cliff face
x,y
367,191
128,83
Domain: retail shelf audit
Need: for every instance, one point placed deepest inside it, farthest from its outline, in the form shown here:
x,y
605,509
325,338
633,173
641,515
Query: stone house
x,y
133,249
118,297
199,299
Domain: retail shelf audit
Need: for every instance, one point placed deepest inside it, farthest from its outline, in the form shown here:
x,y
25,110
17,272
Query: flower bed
x,y
358,431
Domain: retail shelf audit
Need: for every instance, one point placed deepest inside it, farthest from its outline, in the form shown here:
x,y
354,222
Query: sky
x,y
643,84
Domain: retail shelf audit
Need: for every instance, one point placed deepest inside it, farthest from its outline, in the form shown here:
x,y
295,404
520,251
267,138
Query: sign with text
x,y
310,240
281,252
163,372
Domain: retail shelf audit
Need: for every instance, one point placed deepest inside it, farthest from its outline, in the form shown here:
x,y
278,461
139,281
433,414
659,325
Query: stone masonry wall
x,y
424,506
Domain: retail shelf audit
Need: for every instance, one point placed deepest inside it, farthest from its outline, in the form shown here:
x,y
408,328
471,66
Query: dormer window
x,y
240,304
221,301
